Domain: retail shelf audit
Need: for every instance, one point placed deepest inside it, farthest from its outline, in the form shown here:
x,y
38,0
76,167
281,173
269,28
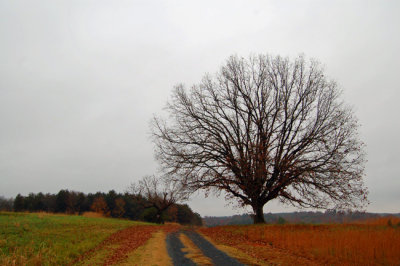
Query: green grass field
x,y
49,239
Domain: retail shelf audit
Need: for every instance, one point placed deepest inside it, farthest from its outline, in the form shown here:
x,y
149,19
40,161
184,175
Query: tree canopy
x,y
264,128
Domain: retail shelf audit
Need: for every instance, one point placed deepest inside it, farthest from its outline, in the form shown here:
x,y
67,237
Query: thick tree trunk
x,y
258,216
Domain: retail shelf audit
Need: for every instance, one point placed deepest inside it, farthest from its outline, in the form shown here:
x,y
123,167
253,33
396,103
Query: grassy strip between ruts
x,y
49,239
193,252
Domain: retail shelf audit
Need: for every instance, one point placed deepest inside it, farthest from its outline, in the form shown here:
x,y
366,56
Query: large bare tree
x,y
265,128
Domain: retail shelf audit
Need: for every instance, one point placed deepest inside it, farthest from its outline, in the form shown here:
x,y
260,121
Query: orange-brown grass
x,y
92,214
351,244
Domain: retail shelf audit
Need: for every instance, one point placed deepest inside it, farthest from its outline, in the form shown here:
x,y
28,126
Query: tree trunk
x,y
159,218
258,216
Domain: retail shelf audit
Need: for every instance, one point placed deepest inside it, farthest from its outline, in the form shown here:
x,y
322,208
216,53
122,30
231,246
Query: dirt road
x,y
156,245
187,247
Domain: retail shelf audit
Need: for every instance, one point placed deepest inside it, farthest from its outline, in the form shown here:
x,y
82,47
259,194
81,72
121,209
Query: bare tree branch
x,y
262,129
159,193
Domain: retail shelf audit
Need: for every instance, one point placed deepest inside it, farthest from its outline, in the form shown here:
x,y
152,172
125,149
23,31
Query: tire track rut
x,y
175,246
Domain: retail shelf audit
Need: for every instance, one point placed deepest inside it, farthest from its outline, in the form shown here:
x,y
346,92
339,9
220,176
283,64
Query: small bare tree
x,y
265,128
159,194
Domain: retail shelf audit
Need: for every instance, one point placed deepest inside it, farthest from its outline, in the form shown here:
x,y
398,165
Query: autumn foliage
x,y
349,244
99,205
112,204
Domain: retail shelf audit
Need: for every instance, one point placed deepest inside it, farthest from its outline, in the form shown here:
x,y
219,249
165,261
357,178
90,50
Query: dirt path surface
x,y
117,247
153,252
174,248
177,250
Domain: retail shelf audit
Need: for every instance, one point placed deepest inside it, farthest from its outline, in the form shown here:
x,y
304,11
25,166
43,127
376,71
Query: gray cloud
x,y
80,80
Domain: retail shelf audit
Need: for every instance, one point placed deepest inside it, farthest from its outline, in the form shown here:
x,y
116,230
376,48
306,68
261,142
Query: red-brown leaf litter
x,y
125,241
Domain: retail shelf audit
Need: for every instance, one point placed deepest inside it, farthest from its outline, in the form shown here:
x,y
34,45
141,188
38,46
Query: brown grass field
x,y
373,242
48,239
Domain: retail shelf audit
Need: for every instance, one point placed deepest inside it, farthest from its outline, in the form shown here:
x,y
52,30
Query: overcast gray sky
x,y
80,81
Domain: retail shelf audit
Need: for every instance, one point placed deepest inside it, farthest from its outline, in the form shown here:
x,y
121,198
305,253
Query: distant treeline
x,y
109,204
297,217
